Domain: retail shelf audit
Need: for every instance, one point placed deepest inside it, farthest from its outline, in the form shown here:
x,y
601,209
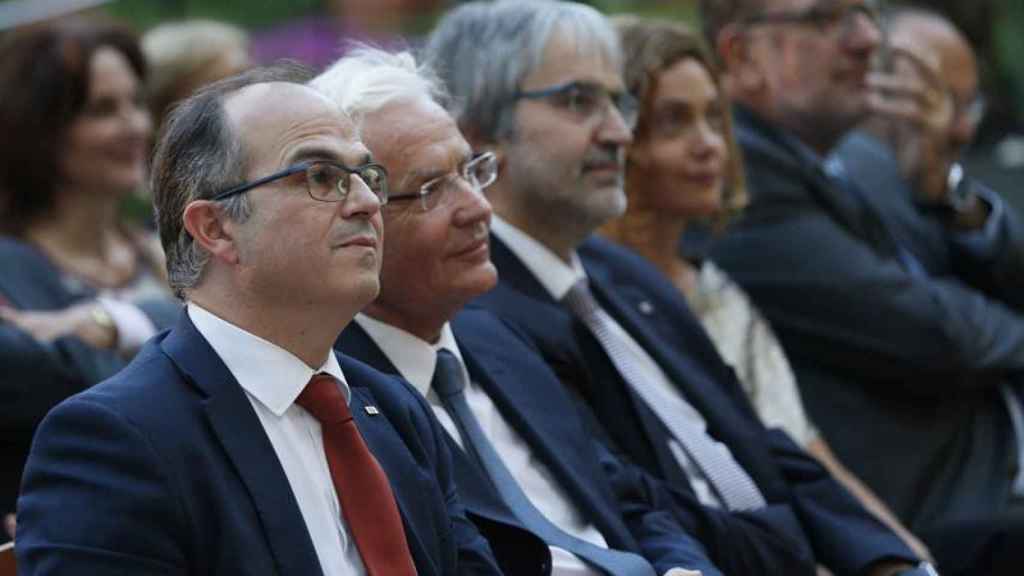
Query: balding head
x,y
958,66
926,154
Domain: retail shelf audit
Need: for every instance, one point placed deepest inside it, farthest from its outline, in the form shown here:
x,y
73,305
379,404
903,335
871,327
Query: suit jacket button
x,y
646,308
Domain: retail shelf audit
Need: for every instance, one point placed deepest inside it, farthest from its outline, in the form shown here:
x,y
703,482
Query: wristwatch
x,y
958,188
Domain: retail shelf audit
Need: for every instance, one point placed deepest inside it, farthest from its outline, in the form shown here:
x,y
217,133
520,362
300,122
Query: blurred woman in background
x,y
81,289
683,168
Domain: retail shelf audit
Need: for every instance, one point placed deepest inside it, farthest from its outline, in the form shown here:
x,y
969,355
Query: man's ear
x,y
742,71
209,227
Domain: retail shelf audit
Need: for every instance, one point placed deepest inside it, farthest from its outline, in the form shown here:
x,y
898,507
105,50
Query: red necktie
x,y
363,490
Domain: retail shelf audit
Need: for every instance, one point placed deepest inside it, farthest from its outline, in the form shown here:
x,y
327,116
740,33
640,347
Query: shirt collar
x,y
413,357
554,274
269,373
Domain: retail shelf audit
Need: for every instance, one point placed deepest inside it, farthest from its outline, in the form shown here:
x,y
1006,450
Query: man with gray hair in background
x,y
903,363
525,466
539,84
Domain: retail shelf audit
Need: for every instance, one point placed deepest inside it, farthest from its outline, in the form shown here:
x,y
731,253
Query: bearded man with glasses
x,y
908,368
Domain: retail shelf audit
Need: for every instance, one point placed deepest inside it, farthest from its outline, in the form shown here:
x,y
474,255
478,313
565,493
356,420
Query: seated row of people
x,y
560,382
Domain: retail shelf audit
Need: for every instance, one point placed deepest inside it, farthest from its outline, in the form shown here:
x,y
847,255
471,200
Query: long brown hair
x,y
44,84
652,46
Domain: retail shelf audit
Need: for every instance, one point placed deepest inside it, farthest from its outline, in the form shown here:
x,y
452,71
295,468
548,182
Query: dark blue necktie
x,y
449,383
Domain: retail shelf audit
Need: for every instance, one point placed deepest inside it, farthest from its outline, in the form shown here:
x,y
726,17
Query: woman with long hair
x,y
81,289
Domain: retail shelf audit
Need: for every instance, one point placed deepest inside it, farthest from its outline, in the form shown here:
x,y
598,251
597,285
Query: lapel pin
x,y
646,308
371,410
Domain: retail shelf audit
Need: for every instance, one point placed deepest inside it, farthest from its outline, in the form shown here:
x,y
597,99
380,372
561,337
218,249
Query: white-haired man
x,y
525,464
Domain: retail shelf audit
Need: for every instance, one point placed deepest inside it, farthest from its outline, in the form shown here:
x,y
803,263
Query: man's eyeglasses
x,y
479,173
827,16
326,181
586,100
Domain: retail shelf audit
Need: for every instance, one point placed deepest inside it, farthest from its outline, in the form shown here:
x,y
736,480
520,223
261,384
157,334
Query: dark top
x,y
901,370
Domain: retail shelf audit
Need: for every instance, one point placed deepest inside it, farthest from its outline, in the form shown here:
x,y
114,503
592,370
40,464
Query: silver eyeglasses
x,y
479,173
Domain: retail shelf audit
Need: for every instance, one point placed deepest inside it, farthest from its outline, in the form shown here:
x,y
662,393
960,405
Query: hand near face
x,y
913,92
915,106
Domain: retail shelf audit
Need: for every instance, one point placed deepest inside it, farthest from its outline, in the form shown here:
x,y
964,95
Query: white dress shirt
x,y
558,278
415,359
272,379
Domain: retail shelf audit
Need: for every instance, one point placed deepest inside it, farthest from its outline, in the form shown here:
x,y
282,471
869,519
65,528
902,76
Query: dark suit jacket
x,y
806,507
166,469
899,370
621,505
35,376
990,263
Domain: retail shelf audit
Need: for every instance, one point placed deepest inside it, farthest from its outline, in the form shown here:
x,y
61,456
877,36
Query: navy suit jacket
x,y
806,508
621,504
991,262
901,371
166,469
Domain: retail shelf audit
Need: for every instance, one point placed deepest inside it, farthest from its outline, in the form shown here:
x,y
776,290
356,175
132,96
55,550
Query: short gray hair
x,y
367,78
198,155
483,51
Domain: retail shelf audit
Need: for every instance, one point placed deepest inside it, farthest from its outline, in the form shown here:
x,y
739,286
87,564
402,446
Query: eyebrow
x,y
314,153
421,175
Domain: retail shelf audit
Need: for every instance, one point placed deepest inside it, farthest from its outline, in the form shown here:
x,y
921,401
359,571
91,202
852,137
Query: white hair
x,y
367,78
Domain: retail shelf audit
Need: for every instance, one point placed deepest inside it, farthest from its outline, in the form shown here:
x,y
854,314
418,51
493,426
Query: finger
x,y
924,60
897,85
896,110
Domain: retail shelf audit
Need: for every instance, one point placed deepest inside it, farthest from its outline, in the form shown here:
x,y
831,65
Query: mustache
x,y
605,156
354,229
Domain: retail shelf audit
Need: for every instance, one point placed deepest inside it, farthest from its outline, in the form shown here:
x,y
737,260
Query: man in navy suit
x,y
239,442
436,260
905,331
552,108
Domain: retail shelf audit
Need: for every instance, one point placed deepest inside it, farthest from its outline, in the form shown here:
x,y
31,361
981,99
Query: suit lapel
x,y
245,443
475,490
398,464
544,416
682,366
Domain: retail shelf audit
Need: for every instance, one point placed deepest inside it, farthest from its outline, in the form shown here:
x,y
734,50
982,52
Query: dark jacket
x,y
900,370
616,499
166,469
807,510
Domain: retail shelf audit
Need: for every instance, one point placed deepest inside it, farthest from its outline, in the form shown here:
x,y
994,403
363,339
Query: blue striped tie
x,y
449,383
732,483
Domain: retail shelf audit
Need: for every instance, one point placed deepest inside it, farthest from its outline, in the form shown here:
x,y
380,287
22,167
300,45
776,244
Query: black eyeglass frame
x,y
464,173
359,171
819,15
624,102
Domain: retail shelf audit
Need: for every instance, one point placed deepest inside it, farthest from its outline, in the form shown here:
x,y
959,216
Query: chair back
x,y
8,565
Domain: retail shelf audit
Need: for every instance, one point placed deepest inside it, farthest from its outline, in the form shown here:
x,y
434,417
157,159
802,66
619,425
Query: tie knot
x,y
447,374
322,398
580,300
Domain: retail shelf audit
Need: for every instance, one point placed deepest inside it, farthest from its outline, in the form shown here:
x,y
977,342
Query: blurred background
x,y
308,29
